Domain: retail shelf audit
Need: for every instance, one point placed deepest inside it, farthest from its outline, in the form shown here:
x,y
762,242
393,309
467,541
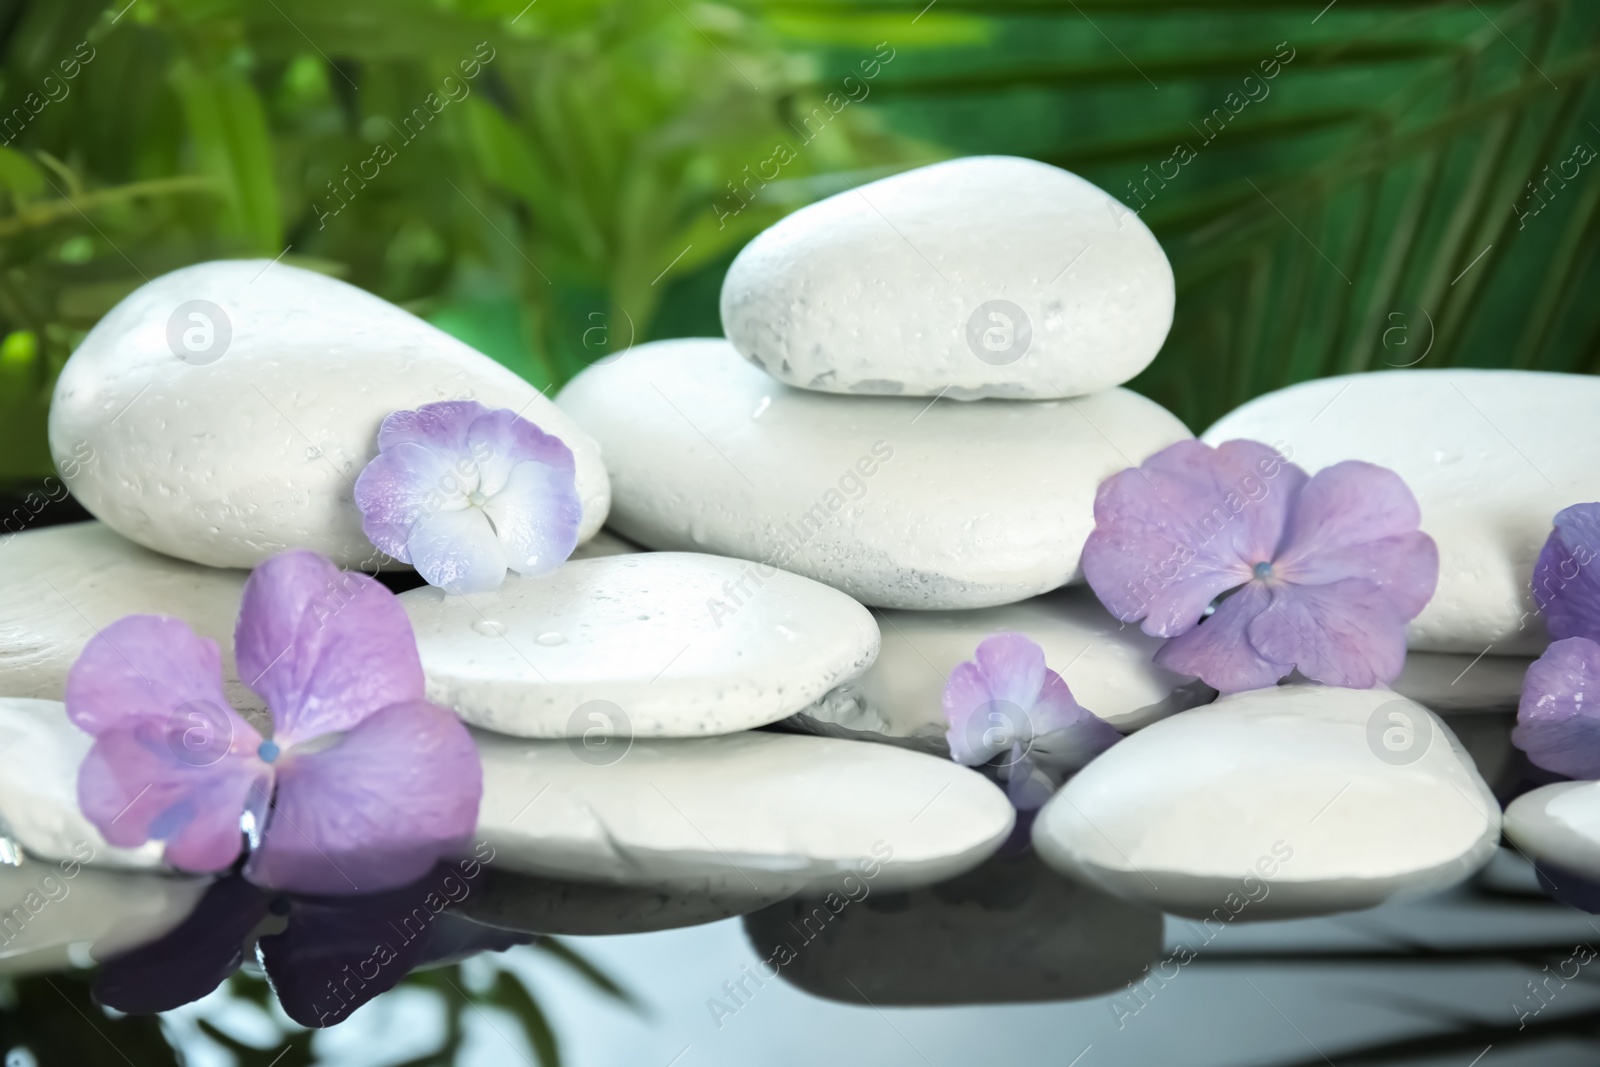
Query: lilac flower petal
x,y
440,426
325,647
1566,579
139,783
374,810
1219,653
1013,668
1558,724
1184,527
1028,786
536,515
501,440
966,709
406,484
1359,520
1348,634
458,551
1066,736
143,667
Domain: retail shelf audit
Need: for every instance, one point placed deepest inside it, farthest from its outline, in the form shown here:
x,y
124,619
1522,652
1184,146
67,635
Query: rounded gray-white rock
x,y
65,583
753,812
639,646
1444,682
1558,827
900,698
990,276
39,790
1007,932
61,915
901,503
221,413
527,903
1491,455
1294,800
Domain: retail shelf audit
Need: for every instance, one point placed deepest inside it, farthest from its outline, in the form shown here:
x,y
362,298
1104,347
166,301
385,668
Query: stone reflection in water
x,y
1010,931
528,903
325,956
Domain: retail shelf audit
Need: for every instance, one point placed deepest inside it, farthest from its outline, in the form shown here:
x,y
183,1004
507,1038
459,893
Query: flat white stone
x,y
1008,932
1446,682
1558,826
635,646
42,751
64,583
987,276
59,915
251,443
530,904
743,813
1276,802
899,502
1491,455
1108,668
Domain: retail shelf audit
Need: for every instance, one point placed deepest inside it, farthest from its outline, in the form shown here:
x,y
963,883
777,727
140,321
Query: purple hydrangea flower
x,y
1558,725
1009,706
1566,583
462,493
362,785
1317,574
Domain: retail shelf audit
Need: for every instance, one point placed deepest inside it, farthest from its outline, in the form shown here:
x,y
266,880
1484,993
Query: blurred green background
x,y
1413,184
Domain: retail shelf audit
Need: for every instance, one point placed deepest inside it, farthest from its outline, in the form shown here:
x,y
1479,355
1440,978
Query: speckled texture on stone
x,y
1491,455
899,502
887,289
1292,800
750,812
231,461
667,640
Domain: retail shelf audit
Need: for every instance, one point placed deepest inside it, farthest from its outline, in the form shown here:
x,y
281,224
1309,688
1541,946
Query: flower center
x,y
477,499
1263,571
268,751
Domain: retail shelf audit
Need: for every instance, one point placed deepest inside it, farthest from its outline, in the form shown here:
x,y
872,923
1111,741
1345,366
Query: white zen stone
x,y
1491,455
990,276
59,915
42,751
64,584
1108,668
1558,826
527,903
221,413
901,503
744,813
1444,682
605,543
635,646
1294,800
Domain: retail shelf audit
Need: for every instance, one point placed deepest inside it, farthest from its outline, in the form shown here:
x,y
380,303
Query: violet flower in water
x,y
463,493
1008,705
362,785
1317,574
1558,725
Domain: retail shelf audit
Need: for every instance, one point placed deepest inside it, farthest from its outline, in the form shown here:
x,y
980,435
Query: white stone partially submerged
x,y
39,789
1558,827
1491,455
1446,682
221,413
1108,668
644,645
987,276
527,903
1276,802
743,813
899,502
65,583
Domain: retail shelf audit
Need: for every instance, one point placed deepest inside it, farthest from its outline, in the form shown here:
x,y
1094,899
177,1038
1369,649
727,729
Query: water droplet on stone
x,y
551,639
761,408
489,627
786,631
313,453
697,533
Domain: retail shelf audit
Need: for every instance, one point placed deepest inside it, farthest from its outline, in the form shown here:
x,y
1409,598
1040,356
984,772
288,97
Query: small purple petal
x,y
325,647
500,441
440,426
1028,786
1566,581
1184,527
1219,653
1013,668
376,809
1358,520
1558,721
1347,634
536,515
139,667
405,484
966,709
1065,735
140,782
458,551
